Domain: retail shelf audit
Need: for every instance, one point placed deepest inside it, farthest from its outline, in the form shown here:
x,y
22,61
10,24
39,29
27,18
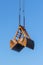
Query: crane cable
x,y
19,12
23,13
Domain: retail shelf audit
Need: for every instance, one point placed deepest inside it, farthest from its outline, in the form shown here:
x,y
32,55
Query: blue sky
x,y
8,26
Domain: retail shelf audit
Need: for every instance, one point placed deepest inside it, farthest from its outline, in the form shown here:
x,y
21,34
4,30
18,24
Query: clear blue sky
x,y
8,26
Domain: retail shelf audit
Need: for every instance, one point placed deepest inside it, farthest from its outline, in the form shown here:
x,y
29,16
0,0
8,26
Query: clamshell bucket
x,y
22,40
